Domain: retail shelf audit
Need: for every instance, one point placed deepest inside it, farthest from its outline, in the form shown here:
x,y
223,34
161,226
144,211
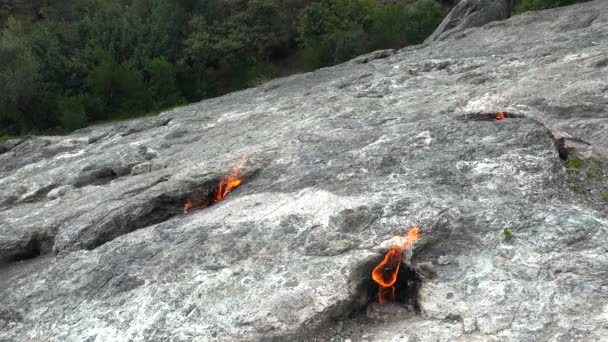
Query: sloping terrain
x,y
95,244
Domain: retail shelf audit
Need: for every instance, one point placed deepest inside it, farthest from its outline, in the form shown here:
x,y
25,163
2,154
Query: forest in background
x,y
67,64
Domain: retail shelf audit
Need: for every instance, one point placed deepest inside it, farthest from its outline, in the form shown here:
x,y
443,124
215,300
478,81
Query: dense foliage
x,y
77,62
536,5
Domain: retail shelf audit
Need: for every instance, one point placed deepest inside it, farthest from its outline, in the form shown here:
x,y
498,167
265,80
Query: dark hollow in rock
x,y
99,176
200,200
159,209
573,147
406,288
155,209
205,197
34,248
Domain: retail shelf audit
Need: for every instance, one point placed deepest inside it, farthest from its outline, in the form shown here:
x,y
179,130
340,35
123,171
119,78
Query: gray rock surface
x,y
95,245
471,13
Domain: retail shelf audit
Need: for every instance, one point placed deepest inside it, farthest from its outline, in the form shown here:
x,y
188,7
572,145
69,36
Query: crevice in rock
x,y
362,308
36,246
573,147
99,176
11,144
485,116
404,294
380,54
39,194
138,215
365,300
158,209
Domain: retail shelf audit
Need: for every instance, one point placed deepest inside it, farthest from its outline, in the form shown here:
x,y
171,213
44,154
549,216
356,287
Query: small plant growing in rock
x,y
605,197
507,233
575,165
535,231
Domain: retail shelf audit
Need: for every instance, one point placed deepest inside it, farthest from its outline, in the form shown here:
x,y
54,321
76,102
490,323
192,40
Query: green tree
x,y
251,31
120,86
72,110
395,26
19,81
163,84
331,31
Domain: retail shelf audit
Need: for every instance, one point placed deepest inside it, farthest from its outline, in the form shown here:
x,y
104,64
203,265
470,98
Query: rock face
x,y
471,13
95,245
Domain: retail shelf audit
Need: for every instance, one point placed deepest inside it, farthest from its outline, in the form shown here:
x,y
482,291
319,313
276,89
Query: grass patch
x,y
605,197
507,233
4,138
575,165
595,169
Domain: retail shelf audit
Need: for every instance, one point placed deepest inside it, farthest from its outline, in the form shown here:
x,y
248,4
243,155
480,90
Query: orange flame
x,y
406,242
500,116
188,206
227,184
385,274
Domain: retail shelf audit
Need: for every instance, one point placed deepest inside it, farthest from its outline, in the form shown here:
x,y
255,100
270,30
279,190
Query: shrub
x,y
260,73
72,110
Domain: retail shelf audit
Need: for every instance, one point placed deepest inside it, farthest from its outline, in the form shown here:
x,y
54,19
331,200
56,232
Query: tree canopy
x,y
78,62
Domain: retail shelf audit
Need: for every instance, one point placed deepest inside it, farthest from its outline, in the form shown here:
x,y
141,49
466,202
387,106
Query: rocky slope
x,y
95,245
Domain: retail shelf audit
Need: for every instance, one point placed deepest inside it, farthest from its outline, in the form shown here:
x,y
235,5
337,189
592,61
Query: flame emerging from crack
x,y
188,206
227,184
500,116
385,274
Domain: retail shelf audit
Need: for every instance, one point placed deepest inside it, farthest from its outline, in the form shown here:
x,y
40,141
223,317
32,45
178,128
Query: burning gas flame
x,y
188,206
500,116
385,274
228,183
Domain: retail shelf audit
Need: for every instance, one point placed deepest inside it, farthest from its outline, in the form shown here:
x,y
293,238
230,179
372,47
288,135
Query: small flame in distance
x,y
188,206
385,274
500,116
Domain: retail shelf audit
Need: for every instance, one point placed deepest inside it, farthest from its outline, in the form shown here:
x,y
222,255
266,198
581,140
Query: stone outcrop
x,y
471,13
95,245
